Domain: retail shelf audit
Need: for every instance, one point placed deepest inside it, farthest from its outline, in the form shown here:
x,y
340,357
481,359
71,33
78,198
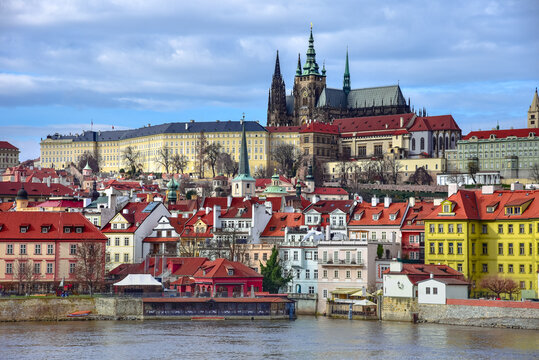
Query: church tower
x,y
308,85
346,81
277,115
243,184
533,112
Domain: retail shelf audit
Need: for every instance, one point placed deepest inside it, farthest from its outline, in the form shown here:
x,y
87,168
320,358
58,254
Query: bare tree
x,y
200,154
534,172
262,173
90,266
131,156
496,284
24,275
392,166
288,158
179,163
211,156
473,169
164,157
226,243
511,288
88,158
343,168
421,177
227,165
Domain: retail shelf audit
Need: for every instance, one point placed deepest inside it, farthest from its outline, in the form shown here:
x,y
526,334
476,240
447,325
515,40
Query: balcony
x,y
330,262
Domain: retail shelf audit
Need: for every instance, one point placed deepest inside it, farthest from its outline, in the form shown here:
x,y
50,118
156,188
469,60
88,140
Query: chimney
x,y
402,121
186,126
411,201
395,266
216,217
314,199
328,233
48,181
516,186
374,201
431,275
208,209
387,201
125,211
228,201
487,189
174,215
452,189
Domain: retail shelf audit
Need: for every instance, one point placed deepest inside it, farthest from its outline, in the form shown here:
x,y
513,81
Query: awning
x,y
138,280
344,291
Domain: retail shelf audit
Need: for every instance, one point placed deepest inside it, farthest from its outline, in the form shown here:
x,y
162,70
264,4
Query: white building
x,y
437,291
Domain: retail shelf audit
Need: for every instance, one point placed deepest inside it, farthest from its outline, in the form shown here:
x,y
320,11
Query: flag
x,y
62,283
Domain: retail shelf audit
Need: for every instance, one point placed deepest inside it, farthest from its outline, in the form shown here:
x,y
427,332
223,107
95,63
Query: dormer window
x,y
376,216
230,272
44,229
114,226
67,229
447,208
78,229
392,217
24,229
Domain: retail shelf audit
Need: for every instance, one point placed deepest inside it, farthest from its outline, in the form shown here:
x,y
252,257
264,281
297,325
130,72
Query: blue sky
x,y
127,63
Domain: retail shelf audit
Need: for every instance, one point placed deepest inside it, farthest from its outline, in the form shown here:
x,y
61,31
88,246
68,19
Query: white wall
x,y
398,286
431,298
456,292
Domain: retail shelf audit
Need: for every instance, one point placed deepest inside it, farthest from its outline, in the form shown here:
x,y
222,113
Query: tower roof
x,y
22,194
87,167
277,71
346,82
243,170
535,102
311,67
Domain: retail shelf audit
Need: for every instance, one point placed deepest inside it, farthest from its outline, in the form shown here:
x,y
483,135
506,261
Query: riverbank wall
x,y
306,304
56,309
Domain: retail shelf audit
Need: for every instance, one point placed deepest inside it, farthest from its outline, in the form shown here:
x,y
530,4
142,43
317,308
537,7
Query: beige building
x,y
9,155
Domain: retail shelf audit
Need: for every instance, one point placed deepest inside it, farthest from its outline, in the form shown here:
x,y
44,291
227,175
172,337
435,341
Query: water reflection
x,y
305,338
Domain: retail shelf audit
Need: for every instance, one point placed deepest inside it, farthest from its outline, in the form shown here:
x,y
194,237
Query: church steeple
x,y
311,67
533,112
298,69
346,82
243,184
277,71
277,114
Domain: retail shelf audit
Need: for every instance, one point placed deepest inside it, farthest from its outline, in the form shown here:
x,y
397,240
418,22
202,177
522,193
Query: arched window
x,y
440,143
413,144
422,143
434,143
447,142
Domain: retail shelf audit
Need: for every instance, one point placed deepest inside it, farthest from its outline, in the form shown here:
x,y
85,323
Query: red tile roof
x,y
418,272
416,214
430,123
501,134
329,191
183,206
318,127
9,188
328,206
61,204
219,269
279,221
367,211
373,123
6,145
178,266
11,223
134,216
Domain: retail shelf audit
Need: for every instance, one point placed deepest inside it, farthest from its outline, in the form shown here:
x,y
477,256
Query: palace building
x,y
312,100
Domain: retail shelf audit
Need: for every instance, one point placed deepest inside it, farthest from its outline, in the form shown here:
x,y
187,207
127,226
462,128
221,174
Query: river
x,y
305,338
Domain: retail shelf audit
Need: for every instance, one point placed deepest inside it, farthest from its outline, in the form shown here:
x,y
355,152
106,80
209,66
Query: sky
x,y
129,63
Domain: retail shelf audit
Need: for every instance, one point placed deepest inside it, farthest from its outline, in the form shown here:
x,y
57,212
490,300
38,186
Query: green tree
x,y
380,251
273,273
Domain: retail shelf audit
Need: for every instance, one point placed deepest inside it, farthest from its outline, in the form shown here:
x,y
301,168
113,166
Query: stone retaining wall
x,y
305,303
399,308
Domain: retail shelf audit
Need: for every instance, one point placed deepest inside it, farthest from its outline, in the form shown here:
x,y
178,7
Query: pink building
x,y
413,230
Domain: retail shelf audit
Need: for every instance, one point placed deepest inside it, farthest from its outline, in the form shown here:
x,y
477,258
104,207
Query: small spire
x,y
277,71
324,68
346,82
298,70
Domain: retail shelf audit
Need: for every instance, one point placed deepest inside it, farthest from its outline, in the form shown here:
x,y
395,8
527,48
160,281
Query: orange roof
x,y
279,221
501,134
366,210
416,214
318,127
134,216
442,122
373,123
219,269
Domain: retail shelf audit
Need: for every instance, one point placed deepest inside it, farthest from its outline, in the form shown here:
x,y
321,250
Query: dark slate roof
x,y
168,128
359,98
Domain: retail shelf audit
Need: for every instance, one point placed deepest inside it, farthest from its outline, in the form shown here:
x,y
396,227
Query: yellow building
x,y
59,150
482,233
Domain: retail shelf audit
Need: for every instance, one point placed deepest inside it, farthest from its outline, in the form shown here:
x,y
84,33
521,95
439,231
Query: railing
x,y
341,262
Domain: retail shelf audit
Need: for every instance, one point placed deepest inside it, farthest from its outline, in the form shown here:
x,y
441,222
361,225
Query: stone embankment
x,y
56,309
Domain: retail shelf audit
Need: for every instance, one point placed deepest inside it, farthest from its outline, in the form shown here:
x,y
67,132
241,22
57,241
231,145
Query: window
x,y
431,228
307,274
485,248
434,291
336,274
521,229
473,228
427,290
500,268
9,268
440,228
484,229
523,285
37,249
78,230
49,268
315,255
500,249
359,274
296,255
126,241
325,274
325,293
459,267
72,249
256,256
117,241
37,268
116,257
459,248
50,249
440,248
285,256
450,228
485,268
510,249
126,257
348,274
108,241
510,268
432,248
459,228
510,228
315,274
298,274
450,248
500,229
311,289
67,229
9,249
72,268
23,249
521,269
107,257
521,249
264,256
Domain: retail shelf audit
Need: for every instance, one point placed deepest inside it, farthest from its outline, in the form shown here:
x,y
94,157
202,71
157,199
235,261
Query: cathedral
x,y
311,100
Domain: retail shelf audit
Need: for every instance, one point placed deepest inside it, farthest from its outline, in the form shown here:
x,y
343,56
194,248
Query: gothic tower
x,y
533,112
243,184
277,115
308,85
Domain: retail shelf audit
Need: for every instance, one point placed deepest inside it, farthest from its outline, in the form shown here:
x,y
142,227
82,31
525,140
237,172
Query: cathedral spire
x,y
346,82
311,67
298,70
277,71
